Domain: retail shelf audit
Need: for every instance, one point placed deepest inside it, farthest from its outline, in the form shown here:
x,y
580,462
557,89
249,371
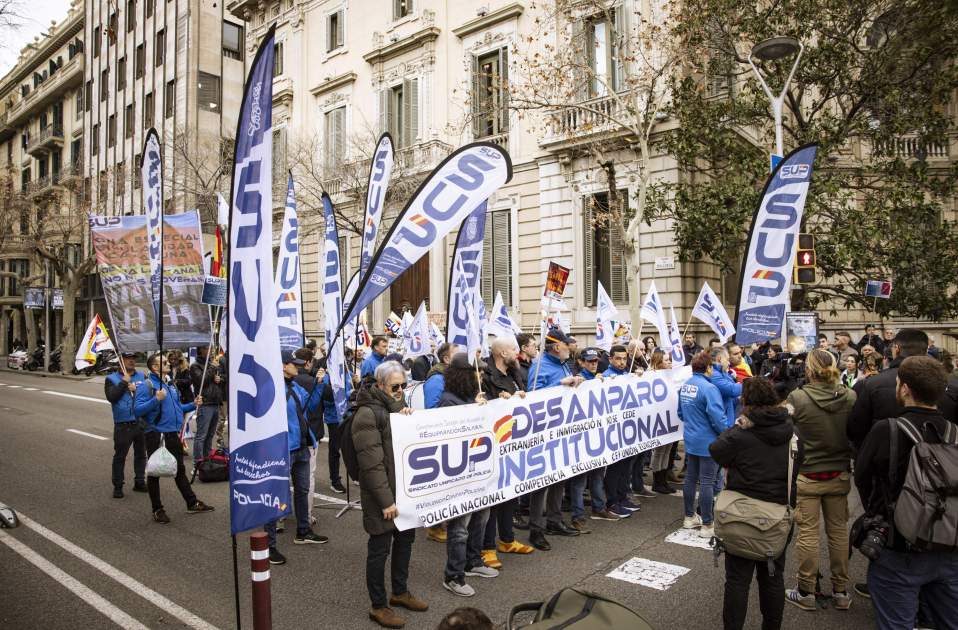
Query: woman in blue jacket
x,y
702,412
159,405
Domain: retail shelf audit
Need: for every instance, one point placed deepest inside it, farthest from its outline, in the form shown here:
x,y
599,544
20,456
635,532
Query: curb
x,y
42,374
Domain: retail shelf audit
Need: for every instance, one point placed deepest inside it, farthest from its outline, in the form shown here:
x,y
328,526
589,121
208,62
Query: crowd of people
x,y
740,409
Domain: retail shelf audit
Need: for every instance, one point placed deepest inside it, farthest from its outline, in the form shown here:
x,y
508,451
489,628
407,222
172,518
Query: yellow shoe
x,y
513,547
437,534
490,559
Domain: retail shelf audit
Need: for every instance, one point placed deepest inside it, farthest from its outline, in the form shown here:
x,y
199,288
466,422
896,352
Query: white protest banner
x,y
289,294
456,460
653,312
709,309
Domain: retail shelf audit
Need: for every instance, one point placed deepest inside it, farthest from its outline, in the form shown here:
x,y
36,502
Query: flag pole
x,y
542,343
685,332
638,340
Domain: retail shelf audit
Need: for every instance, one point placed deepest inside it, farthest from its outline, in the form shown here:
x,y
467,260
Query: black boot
x,y
660,482
538,540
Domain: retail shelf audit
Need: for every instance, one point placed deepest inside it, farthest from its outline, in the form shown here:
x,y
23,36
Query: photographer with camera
x,y
898,574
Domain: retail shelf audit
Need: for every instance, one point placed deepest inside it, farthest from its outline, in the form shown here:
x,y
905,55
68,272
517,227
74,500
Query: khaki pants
x,y
817,499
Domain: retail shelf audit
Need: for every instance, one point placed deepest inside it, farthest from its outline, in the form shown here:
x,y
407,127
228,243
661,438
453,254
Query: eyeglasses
x,y
397,387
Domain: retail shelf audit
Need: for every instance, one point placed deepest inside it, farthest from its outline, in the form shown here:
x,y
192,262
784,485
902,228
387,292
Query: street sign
x,y
663,263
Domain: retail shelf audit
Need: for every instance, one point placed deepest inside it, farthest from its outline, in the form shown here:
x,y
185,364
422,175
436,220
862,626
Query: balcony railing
x,y
70,75
49,136
598,115
44,185
71,171
501,140
422,157
911,148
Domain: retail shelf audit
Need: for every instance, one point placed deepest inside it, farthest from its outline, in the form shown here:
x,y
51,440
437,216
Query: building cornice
x,y
514,9
333,83
393,50
27,64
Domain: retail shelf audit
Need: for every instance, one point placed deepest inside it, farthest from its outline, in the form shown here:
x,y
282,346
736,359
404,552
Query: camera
x,y
875,537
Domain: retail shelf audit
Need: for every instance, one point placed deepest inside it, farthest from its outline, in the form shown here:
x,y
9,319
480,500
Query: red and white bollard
x,y
259,568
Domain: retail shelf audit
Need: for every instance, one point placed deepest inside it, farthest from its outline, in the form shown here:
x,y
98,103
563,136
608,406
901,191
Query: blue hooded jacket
x,y
611,371
586,374
329,405
309,405
551,372
432,390
165,416
730,389
370,364
700,408
123,408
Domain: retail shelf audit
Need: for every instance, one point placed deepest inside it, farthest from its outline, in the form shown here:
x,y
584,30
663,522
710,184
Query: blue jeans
x,y
577,485
207,417
299,471
464,538
703,470
897,579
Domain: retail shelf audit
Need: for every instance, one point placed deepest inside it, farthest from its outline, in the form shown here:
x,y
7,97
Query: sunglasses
x,y
398,387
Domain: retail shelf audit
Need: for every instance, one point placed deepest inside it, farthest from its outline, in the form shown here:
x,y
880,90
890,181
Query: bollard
x,y
259,568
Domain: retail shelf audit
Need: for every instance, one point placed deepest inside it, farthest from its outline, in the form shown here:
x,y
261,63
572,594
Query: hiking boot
x,y
520,522
387,618
437,533
842,601
691,522
310,538
490,559
409,601
139,486
581,524
199,507
160,517
117,492
603,515
538,540
805,602
862,589
275,557
459,587
337,487
483,572
513,547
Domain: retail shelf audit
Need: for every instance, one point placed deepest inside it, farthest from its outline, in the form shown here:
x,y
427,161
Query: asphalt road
x,y
82,559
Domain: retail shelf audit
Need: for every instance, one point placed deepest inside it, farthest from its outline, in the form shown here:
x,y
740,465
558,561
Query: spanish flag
x,y
216,265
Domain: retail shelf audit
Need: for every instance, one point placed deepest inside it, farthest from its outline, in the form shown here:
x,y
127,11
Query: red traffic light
x,y
805,258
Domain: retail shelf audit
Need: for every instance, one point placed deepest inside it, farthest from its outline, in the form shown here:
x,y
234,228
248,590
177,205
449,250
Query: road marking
x,y
77,396
330,499
689,538
14,386
92,435
657,575
69,582
104,567
30,389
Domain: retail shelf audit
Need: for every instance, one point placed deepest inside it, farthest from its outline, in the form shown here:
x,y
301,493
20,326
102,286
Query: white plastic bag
x,y
161,463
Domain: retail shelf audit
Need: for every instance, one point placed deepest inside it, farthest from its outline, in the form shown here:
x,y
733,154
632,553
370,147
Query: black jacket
x,y
691,351
874,341
523,370
421,366
212,393
495,382
876,401
757,458
872,463
448,399
949,402
183,381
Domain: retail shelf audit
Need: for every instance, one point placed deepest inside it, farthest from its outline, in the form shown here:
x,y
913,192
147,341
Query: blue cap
x,y
289,357
589,354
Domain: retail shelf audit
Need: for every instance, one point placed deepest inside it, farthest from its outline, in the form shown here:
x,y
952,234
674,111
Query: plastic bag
x,y
161,463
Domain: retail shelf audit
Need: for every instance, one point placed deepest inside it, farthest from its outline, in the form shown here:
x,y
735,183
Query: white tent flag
x,y
501,323
653,312
709,309
675,341
417,336
222,210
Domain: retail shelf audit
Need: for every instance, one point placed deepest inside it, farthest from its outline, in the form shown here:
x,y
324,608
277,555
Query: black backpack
x,y
346,447
576,609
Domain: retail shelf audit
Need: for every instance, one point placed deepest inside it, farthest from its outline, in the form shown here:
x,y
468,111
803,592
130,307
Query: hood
x,y
438,368
372,396
830,398
772,425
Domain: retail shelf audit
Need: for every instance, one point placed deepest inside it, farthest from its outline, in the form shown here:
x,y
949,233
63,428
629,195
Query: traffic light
x,y
805,270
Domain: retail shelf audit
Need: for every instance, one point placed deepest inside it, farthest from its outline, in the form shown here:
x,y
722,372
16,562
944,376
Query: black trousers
x,y
771,591
334,433
617,478
377,551
126,434
175,447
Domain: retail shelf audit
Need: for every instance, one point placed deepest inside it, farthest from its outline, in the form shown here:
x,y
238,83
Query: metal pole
x,y
542,344
259,572
236,596
46,329
778,102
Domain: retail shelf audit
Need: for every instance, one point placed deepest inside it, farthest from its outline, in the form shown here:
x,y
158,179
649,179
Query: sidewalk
x,y
42,373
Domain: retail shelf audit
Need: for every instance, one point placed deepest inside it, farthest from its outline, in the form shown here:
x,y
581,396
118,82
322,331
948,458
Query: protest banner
x,y
332,302
801,331
120,244
380,170
259,453
556,279
708,308
151,174
767,267
34,298
289,294
96,339
456,460
466,259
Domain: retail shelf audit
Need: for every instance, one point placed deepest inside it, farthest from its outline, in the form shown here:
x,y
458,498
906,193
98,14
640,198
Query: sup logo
x,y
450,463
795,171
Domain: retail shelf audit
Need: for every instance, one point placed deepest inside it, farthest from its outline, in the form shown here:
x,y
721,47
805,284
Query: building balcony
x,y
66,78
911,147
569,126
500,140
6,129
49,138
72,172
421,157
45,186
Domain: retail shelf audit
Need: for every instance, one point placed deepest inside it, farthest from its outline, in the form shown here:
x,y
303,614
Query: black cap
x,y
555,335
589,354
289,357
128,355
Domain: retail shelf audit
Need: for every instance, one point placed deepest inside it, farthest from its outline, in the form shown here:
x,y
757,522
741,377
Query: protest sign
x,y
33,298
878,288
556,280
801,331
456,460
214,291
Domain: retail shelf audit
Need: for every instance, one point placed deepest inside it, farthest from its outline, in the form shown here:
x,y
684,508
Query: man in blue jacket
x,y
702,411
545,505
120,388
299,405
727,384
379,346
618,476
435,382
159,404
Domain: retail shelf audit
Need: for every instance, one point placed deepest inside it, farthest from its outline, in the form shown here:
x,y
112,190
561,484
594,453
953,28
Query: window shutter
x,y
503,90
618,261
476,100
588,242
501,261
581,43
341,28
618,48
410,92
329,32
384,113
488,255
339,125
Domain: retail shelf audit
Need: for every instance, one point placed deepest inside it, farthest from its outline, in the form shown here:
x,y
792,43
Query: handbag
x,y
755,529
161,462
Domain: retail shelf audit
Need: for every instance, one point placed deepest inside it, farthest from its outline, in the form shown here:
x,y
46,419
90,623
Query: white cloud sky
x,y
37,15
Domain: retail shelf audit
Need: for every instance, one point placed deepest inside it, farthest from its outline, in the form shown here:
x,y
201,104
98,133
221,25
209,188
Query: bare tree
x,y
203,167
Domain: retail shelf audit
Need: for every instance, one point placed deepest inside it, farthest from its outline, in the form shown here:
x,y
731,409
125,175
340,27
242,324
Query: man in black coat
x,y
872,339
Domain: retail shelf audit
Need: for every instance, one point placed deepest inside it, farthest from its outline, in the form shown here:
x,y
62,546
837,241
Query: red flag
x,y
216,265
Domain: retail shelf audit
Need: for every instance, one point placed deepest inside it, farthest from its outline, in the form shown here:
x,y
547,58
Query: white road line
x,y
69,582
77,396
14,386
104,567
92,435
29,389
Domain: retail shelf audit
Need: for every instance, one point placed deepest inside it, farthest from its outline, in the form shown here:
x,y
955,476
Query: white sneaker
x,y
692,521
462,590
482,571
706,531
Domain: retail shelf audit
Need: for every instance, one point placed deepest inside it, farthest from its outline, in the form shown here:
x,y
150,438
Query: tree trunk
x,y
28,317
70,290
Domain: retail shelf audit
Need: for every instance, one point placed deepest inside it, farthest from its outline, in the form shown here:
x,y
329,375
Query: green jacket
x,y
821,413
372,439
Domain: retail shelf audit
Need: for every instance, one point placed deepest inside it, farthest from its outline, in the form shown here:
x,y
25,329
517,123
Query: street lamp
x,y
771,50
